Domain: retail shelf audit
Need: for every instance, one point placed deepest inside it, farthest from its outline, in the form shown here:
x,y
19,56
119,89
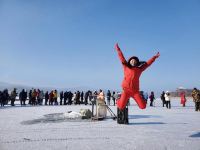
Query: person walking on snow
x,y
133,69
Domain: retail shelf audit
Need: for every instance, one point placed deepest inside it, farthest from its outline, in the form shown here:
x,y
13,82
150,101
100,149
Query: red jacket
x,y
183,99
132,75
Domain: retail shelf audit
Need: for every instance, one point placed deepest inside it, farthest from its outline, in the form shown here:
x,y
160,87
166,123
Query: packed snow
x,y
46,128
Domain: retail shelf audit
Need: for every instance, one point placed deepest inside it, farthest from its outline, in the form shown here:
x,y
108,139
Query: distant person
x,y
61,97
101,95
55,97
34,96
38,97
13,97
5,97
133,69
51,98
151,98
46,97
94,97
168,99
30,97
69,97
82,97
1,99
20,98
108,95
65,97
74,98
183,99
41,97
114,96
146,96
162,97
196,98
24,96
90,97
77,98
86,97
142,95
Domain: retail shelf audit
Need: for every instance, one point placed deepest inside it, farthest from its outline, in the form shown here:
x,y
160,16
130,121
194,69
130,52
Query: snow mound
x,y
72,115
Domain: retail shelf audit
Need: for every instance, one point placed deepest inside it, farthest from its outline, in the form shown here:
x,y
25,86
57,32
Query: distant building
x,y
181,89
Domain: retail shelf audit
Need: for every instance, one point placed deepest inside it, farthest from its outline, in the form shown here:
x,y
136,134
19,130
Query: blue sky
x,y
67,43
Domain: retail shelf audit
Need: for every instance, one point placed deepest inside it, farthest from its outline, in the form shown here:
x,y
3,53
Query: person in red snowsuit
x,y
183,99
133,68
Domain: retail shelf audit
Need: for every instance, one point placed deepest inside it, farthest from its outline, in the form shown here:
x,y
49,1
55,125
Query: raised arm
x,y
150,61
120,54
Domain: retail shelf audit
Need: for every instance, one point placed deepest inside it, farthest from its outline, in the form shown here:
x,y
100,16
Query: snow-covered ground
x,y
155,128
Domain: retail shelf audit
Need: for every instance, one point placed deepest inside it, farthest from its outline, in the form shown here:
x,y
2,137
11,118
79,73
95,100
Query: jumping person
x,y
133,68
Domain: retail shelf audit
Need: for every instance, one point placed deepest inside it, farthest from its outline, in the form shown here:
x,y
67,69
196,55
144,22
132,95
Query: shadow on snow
x,y
54,118
147,123
196,135
143,116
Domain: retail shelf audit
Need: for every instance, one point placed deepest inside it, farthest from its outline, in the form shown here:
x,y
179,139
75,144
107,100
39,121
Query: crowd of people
x,y
39,97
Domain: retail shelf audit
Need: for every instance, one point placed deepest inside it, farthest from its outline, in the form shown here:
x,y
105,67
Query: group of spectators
x,y
38,97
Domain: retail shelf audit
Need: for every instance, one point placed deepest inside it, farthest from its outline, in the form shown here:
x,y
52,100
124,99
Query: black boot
x,y
122,116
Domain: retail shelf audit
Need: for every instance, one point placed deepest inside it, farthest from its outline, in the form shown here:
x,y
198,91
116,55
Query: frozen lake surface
x,y
155,128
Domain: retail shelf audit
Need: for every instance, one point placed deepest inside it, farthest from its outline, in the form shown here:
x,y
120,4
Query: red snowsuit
x,y
183,99
130,83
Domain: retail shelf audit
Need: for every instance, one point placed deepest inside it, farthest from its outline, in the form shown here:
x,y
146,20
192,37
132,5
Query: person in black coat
x,y
70,96
13,97
113,97
162,97
61,97
152,98
77,98
23,96
30,97
5,97
65,95
86,97
108,97
82,95
1,100
46,96
20,98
